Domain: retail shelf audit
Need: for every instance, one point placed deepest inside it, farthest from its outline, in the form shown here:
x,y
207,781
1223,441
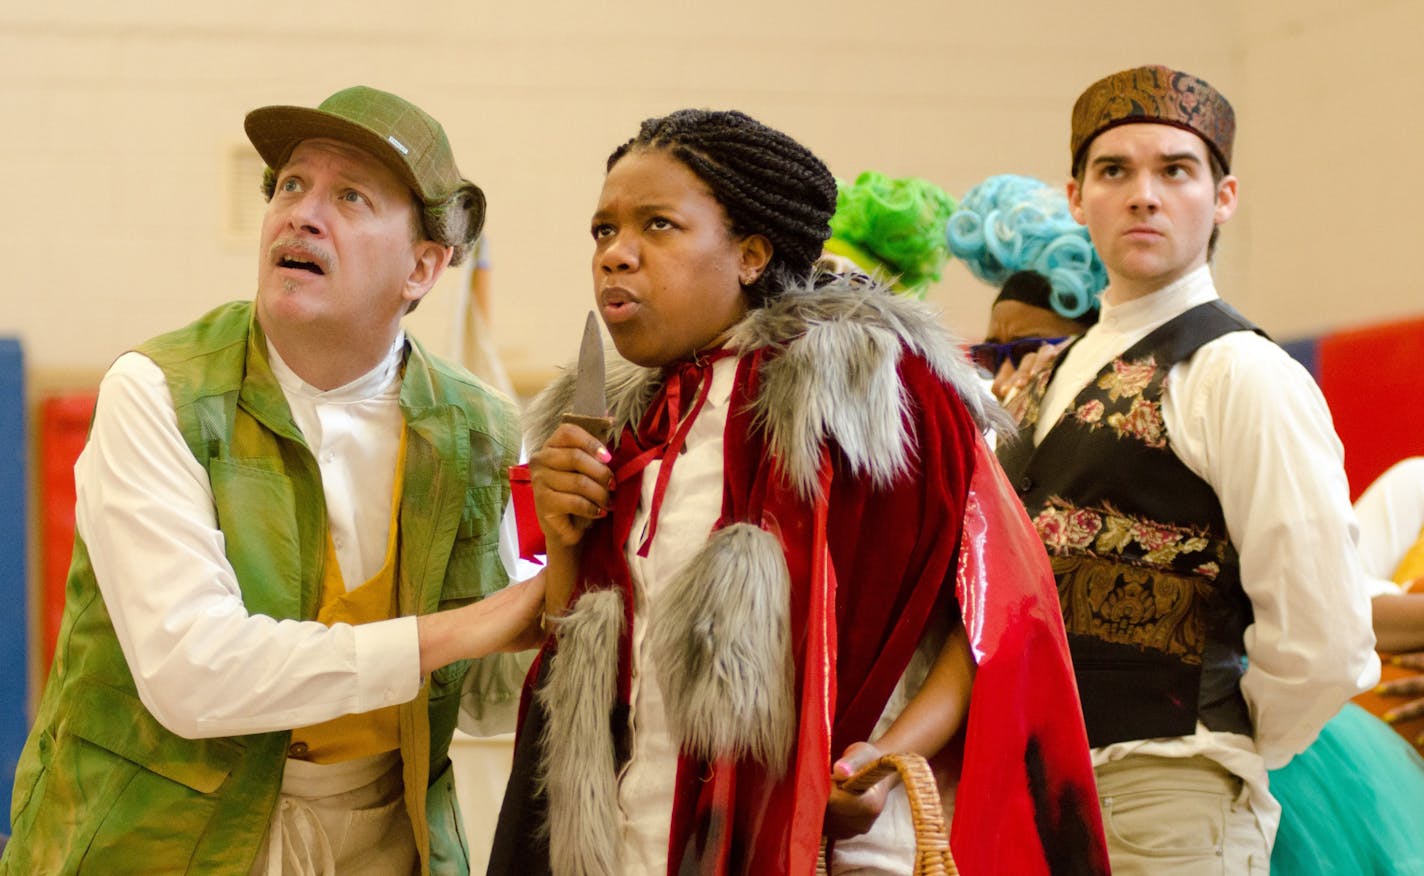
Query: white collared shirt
x,y
203,665
1251,422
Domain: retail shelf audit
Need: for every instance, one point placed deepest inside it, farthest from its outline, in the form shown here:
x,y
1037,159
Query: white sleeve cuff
x,y
388,662
1382,587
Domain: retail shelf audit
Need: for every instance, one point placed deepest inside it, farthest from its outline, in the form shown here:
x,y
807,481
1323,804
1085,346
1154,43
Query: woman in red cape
x,y
795,506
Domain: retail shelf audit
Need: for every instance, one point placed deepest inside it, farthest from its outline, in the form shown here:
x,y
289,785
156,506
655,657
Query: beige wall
x,y
1334,131
122,120
122,123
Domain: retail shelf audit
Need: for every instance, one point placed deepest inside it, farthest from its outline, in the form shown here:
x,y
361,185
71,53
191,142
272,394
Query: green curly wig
x,y
897,223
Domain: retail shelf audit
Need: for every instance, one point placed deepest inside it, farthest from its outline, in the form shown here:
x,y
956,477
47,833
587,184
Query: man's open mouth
x,y
300,264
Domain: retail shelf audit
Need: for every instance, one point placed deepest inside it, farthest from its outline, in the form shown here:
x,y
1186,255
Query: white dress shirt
x,y
1391,512
1250,421
203,665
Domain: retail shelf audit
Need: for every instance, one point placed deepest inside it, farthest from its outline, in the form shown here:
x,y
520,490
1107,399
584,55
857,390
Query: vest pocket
x,y
449,847
256,508
448,679
120,794
475,569
118,723
446,686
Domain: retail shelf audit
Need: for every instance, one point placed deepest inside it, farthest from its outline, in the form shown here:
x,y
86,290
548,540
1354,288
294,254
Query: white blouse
x,y
1391,512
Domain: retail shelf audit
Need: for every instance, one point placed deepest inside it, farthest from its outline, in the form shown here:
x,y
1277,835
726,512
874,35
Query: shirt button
x,y
298,750
1025,484
329,456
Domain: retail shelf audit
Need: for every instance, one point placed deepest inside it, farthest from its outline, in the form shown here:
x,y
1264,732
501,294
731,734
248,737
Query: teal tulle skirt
x,y
1353,803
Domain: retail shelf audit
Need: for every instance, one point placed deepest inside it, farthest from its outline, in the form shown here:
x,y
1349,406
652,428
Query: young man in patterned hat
x,y
287,546
1188,484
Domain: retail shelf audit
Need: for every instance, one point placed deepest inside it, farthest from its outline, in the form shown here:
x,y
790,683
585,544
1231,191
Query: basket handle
x,y
932,853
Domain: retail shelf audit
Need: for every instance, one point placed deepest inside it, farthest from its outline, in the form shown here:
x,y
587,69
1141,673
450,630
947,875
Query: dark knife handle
x,y
599,427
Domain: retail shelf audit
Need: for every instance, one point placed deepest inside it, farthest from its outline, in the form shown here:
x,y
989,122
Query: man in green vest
x,y
288,556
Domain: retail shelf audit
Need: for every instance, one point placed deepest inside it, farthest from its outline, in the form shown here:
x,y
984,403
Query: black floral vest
x,y
1147,576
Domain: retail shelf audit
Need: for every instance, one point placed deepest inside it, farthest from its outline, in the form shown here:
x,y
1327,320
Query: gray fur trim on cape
x,y
577,761
720,637
834,378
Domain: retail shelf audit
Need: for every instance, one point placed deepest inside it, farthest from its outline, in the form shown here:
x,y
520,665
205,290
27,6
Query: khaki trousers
x,y
1168,816
345,818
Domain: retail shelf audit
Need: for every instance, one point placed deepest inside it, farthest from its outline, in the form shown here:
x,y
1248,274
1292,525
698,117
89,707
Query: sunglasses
x,y
991,357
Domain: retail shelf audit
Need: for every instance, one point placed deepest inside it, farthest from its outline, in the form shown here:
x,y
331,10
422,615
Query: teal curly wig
x,y
1008,223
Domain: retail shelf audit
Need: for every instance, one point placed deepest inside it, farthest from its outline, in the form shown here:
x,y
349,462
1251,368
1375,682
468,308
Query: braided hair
x,y
767,182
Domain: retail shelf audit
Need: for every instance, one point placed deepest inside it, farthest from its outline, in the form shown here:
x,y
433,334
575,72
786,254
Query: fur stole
x,y
722,647
577,760
723,655
832,377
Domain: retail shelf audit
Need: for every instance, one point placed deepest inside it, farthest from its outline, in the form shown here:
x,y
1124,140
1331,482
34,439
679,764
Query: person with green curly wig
x,y
891,229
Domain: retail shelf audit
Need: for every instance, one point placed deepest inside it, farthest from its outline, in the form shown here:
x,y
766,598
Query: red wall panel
x,y
1373,379
64,425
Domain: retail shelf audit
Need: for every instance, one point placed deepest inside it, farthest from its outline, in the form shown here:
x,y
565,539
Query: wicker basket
x,y
932,854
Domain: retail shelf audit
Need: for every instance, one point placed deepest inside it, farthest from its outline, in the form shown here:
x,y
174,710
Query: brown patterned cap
x,y
1153,94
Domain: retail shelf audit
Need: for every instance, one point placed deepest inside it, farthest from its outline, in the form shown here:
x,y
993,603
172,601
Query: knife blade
x,y
589,409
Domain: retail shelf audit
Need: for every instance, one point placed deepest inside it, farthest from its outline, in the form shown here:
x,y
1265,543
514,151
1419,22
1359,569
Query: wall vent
x,y
242,219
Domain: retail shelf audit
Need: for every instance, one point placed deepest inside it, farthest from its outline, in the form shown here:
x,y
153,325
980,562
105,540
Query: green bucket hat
x,y
402,135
